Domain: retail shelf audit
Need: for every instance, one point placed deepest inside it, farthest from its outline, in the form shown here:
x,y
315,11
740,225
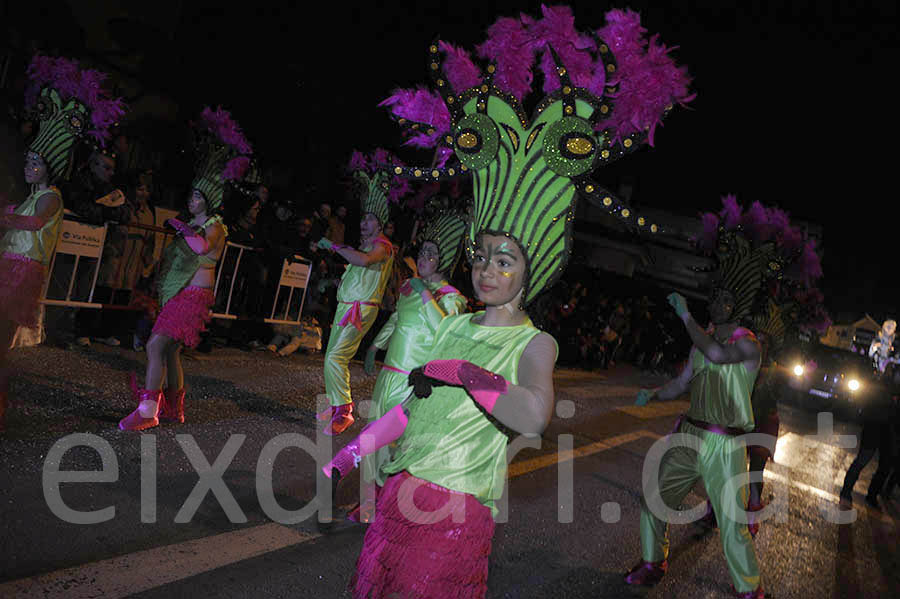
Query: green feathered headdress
x,y
69,104
446,231
223,154
528,171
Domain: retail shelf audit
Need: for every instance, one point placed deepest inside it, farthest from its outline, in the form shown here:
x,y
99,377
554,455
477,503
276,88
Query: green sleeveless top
x,y
720,393
179,264
37,245
449,441
411,328
367,283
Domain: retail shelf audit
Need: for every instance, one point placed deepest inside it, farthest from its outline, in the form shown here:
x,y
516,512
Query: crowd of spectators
x,y
600,319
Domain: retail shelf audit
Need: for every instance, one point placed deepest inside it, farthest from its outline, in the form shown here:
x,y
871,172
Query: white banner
x,y
294,274
81,239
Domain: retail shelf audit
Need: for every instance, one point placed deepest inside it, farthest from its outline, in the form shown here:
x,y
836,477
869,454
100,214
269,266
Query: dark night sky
x,y
792,109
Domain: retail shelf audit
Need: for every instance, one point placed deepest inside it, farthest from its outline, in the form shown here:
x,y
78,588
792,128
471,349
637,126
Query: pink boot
x,y
172,407
647,573
137,421
341,419
377,434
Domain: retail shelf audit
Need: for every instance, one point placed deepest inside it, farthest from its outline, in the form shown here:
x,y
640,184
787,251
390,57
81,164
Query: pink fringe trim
x,y
21,284
430,560
185,316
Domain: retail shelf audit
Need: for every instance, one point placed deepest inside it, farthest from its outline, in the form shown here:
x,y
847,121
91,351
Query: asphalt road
x,y
238,541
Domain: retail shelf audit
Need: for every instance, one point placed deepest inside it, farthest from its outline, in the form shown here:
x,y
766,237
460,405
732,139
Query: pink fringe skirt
x,y
184,316
21,283
408,555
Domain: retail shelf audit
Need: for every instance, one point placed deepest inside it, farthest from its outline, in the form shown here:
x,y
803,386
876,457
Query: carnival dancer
x,y
187,275
720,374
362,284
425,300
69,103
788,305
493,369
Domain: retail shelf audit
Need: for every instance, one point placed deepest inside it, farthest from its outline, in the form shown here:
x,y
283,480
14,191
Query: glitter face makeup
x,y
498,271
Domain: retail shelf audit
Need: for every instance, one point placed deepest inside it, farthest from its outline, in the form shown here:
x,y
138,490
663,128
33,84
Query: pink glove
x,y
181,227
483,385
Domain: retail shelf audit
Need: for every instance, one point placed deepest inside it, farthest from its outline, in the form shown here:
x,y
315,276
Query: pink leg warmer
x,y
373,437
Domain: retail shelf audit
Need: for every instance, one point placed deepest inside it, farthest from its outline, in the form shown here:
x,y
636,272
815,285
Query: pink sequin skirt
x,y
407,554
185,316
21,284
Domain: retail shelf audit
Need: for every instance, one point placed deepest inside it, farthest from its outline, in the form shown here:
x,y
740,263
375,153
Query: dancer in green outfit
x,y
408,335
765,270
362,285
492,372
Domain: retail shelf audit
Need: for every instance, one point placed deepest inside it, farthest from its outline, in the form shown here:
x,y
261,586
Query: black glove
x,y
422,383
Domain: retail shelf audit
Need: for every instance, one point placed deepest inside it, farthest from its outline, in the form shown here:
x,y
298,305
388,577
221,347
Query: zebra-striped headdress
x,y
446,231
69,103
527,173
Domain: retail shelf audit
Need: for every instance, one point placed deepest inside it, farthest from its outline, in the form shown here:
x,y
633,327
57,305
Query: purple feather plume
x,y
649,80
731,212
461,71
86,86
220,124
509,46
420,106
557,30
358,161
236,168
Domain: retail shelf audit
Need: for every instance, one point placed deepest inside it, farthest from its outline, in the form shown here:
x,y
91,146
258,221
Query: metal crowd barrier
x,y
85,241
294,275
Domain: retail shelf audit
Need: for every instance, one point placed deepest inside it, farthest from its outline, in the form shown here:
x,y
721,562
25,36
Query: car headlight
x,y
798,370
854,385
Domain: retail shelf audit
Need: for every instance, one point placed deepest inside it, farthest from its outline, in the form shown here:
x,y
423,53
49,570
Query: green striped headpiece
x,y
60,127
446,231
208,179
373,194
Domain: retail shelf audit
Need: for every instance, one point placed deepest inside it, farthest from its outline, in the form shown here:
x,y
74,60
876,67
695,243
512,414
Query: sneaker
x,y
110,341
83,341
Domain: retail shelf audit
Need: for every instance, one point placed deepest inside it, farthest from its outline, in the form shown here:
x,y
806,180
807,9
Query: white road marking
x,y
143,570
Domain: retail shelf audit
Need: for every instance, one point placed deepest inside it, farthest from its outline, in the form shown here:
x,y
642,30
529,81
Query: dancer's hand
x,y
181,227
677,301
420,382
643,396
369,364
325,244
417,284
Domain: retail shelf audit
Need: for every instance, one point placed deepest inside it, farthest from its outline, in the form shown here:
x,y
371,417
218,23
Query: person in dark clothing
x,y
878,431
93,197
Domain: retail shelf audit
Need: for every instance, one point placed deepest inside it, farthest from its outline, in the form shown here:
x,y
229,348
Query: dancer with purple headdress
x,y
69,104
492,370
760,261
187,274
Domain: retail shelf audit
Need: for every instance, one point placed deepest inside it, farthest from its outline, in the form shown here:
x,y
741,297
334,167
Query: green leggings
x,y
715,459
342,346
